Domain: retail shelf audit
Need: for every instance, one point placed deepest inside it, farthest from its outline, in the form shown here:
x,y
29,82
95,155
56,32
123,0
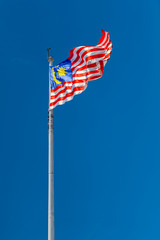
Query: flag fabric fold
x,y
84,64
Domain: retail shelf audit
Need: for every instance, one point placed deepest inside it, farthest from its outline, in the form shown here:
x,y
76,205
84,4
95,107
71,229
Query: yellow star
x,y
61,71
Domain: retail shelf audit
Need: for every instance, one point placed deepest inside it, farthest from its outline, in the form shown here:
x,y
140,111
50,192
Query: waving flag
x,y
84,64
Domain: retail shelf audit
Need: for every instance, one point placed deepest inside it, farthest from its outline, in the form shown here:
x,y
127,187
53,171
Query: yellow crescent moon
x,y
55,79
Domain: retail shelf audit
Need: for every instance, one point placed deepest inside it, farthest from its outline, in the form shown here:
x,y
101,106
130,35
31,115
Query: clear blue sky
x,y
107,140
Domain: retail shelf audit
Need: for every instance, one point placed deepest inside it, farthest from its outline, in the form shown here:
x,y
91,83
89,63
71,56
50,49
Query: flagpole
x,y
51,232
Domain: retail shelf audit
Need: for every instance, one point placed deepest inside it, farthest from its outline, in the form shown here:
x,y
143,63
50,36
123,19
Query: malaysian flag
x,y
84,64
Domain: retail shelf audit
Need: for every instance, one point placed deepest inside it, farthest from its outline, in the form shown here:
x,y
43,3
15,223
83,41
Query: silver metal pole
x,y
51,234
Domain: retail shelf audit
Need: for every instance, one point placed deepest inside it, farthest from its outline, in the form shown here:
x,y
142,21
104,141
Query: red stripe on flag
x,y
103,37
63,98
86,73
70,82
67,88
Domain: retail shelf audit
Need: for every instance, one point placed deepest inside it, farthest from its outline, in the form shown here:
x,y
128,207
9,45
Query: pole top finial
x,y
50,58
